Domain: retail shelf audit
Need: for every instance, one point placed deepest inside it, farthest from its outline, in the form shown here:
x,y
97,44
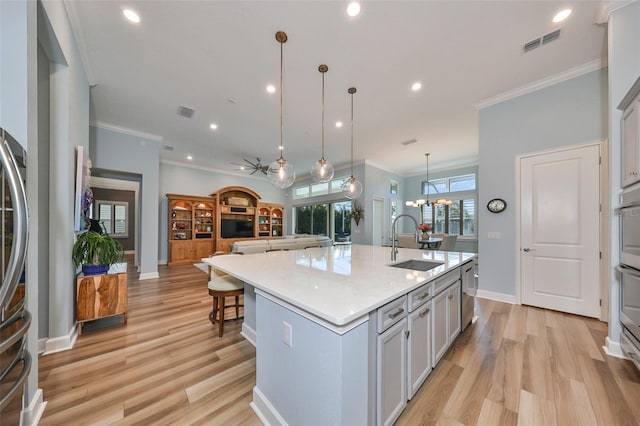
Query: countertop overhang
x,y
339,284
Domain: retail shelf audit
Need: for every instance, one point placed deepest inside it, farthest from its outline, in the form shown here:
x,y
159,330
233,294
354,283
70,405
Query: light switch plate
x,y
494,235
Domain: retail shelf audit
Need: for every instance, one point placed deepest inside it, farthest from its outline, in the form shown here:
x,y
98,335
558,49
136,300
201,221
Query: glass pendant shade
x,y
322,171
351,188
281,173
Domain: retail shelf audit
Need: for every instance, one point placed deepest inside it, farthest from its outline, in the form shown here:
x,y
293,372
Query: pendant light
x,y
352,188
322,170
420,202
281,173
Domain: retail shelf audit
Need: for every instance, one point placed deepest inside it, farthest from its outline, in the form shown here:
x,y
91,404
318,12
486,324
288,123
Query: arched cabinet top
x,y
236,192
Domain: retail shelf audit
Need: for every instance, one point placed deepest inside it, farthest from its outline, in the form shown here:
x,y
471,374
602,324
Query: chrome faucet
x,y
394,243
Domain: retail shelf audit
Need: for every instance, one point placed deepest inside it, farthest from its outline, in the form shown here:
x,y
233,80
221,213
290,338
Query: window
x,y
457,218
301,192
312,219
450,184
315,189
342,222
460,216
332,219
113,217
319,189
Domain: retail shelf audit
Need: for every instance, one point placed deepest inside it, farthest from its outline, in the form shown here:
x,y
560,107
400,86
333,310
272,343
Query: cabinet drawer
x,y
420,295
446,280
391,313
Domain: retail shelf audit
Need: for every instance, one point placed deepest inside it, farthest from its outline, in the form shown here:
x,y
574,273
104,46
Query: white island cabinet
x,y
446,314
391,366
419,341
329,351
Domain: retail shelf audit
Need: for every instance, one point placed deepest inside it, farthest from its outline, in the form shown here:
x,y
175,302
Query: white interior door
x,y
559,234
378,221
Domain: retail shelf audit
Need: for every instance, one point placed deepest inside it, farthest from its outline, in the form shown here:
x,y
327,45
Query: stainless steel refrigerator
x,y
15,360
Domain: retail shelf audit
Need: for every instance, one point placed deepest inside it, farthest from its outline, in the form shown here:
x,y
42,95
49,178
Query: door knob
x,y
526,249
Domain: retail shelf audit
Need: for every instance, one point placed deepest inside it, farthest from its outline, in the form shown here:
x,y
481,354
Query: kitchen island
x,y
320,318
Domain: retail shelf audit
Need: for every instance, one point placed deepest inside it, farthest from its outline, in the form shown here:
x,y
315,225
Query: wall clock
x,y
496,205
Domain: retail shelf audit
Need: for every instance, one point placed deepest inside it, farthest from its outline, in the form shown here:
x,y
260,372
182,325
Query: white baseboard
x,y
62,343
149,276
249,334
612,348
31,415
267,414
42,343
162,262
498,297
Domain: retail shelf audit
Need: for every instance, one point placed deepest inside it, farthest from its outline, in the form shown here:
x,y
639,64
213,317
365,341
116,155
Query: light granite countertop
x,y
339,284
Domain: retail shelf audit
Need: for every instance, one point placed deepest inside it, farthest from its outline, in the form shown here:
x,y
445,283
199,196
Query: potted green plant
x,y
96,252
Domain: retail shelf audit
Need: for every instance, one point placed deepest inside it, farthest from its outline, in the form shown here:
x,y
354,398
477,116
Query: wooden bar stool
x,y
221,286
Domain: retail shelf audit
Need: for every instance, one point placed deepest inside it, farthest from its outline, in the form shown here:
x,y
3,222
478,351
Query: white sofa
x,y
290,242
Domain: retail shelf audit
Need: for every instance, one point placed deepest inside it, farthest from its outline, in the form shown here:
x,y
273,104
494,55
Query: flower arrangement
x,y
425,227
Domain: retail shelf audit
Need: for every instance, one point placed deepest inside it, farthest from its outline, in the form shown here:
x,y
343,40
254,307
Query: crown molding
x,y
126,131
381,167
541,84
609,7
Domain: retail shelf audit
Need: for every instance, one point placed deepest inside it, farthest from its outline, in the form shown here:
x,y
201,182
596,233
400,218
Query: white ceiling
x,y
201,54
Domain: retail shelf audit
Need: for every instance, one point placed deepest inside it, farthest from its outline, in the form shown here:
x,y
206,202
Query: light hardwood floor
x,y
517,365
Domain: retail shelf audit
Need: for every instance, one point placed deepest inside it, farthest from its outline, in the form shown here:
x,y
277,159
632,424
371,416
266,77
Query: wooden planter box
x,y
100,296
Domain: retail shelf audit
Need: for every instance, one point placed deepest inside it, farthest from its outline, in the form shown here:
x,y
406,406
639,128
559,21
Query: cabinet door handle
x,y
396,313
423,313
423,295
450,296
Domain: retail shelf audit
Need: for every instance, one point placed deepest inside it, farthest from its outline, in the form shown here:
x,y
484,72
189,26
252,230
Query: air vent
x,y
409,142
167,147
185,111
548,38
529,46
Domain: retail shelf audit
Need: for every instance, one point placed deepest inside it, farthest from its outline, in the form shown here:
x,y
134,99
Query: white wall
x,y
18,116
177,179
116,151
20,31
624,69
567,113
377,183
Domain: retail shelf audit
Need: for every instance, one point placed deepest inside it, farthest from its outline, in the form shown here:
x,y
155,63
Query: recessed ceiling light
x,y
353,9
562,15
416,86
213,126
241,167
338,124
271,88
189,157
131,16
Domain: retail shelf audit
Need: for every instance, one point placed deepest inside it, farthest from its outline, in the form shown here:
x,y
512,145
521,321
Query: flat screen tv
x,y
236,228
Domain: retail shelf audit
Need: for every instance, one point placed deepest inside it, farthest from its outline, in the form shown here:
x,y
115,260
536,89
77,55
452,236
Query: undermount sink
x,y
417,265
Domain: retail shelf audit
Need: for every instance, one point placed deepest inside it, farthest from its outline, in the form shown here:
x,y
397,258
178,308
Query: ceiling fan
x,y
254,166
